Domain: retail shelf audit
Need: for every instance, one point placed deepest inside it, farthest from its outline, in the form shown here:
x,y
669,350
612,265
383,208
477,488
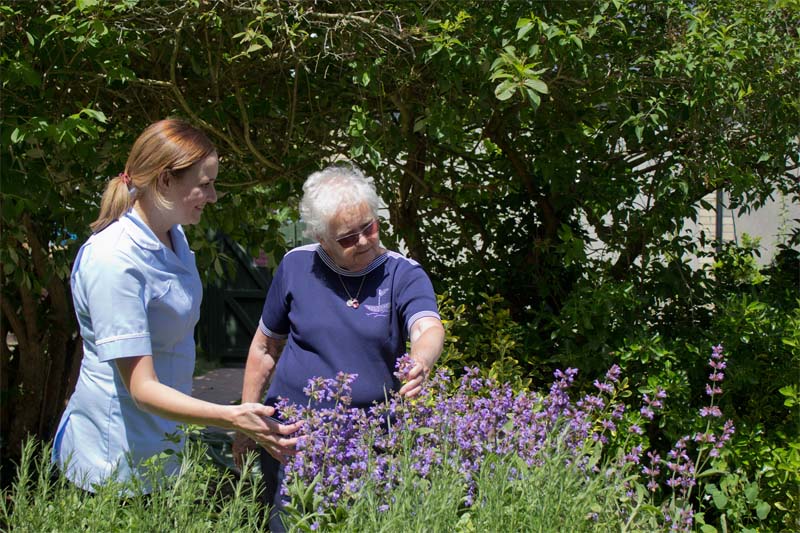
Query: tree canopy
x,y
527,149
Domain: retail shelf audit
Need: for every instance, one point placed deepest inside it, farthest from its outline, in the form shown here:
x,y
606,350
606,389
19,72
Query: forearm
x,y
150,395
166,402
261,361
250,418
427,341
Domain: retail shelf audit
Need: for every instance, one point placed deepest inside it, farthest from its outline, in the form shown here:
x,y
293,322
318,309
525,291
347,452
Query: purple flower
x,y
458,423
711,411
716,352
634,455
614,373
604,387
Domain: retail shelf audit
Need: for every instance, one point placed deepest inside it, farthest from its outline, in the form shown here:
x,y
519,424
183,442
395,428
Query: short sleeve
x,y
416,298
115,295
275,314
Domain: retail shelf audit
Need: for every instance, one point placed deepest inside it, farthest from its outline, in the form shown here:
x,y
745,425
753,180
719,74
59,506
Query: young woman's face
x,y
193,190
354,240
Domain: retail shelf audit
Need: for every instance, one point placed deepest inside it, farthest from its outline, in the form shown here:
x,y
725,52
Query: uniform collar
x,y
140,232
143,236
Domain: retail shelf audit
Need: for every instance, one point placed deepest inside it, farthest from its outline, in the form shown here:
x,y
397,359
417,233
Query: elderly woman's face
x,y
353,241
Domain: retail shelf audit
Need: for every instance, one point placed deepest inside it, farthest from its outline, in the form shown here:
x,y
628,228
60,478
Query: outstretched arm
x,y
150,395
427,341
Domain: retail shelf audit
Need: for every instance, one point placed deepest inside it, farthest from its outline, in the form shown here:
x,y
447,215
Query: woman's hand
x,y
427,341
416,378
255,426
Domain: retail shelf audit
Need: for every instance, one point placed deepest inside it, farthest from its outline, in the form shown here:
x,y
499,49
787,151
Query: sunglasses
x,y
348,241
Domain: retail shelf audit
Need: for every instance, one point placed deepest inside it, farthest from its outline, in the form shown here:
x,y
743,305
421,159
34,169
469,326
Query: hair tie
x,y
126,179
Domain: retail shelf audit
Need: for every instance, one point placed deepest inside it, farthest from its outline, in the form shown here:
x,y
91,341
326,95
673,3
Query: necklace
x,y
352,301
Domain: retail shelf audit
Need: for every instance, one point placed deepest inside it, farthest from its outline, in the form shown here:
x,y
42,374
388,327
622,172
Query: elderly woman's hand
x,y
255,426
416,378
427,340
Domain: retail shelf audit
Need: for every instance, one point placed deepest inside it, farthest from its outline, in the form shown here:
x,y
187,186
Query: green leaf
x,y
762,510
533,96
523,29
99,116
537,85
84,5
751,492
254,47
505,90
720,500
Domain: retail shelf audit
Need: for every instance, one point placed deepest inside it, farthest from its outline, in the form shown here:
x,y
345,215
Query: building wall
x,y
771,224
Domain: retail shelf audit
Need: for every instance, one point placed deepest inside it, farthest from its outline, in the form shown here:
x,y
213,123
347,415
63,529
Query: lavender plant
x,y
456,428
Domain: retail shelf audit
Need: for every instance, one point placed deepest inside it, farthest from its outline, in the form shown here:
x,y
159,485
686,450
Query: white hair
x,y
327,192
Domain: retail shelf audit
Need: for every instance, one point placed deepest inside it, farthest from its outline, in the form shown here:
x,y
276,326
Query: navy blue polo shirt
x,y
307,306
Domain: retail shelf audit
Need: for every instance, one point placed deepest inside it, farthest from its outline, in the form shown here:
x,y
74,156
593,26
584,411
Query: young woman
x,y
137,296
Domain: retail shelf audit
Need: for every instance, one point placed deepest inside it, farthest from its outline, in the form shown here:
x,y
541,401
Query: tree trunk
x,y
39,374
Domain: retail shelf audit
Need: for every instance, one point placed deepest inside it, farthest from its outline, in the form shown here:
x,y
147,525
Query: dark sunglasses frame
x,y
348,241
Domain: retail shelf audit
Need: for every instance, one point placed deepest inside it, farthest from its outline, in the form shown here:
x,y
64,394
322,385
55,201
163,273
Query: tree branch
x,y
182,101
246,133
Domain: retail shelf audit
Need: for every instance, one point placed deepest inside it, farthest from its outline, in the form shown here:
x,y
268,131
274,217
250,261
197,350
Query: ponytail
x,y
116,201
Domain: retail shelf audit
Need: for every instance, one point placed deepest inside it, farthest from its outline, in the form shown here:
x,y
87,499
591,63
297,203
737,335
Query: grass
x,y
200,498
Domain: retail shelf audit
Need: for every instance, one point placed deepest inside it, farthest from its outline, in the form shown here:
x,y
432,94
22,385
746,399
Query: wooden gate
x,y
232,307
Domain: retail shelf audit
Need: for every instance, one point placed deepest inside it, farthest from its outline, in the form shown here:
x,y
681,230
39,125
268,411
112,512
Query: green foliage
x,y
487,337
756,486
199,498
546,154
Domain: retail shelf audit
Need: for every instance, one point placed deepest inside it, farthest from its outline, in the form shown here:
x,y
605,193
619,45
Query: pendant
x,y
352,302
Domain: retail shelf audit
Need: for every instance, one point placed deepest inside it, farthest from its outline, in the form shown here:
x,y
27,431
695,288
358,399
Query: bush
x,y
657,330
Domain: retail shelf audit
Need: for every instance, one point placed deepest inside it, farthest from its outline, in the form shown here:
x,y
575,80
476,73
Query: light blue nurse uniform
x,y
133,296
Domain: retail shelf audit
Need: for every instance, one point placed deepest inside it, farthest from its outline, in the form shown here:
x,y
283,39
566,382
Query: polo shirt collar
x,y
375,263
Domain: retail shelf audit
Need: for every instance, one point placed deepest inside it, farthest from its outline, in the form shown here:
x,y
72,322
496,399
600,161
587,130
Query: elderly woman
x,y
344,304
